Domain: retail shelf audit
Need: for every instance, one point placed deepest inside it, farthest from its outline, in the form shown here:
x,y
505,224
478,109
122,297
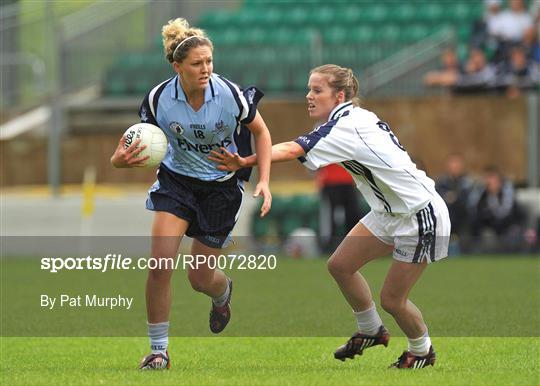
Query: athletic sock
x,y
368,321
159,337
420,346
221,300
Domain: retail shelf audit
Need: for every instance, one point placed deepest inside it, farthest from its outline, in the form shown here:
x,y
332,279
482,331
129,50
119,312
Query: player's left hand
x,y
227,161
263,189
128,157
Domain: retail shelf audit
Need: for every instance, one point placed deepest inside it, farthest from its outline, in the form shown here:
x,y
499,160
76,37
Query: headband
x,y
182,42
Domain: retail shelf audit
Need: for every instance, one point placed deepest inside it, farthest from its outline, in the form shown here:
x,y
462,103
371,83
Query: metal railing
x,y
36,41
402,73
11,64
91,40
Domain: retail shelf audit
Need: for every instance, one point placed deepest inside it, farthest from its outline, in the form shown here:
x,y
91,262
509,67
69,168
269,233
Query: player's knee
x,y
160,275
335,267
391,304
198,283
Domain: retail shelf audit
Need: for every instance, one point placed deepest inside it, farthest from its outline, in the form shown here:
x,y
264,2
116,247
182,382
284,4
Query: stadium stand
x,y
502,53
298,36
273,44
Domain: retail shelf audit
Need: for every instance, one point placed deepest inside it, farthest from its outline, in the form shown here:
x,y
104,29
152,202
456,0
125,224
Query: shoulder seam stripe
x,y
338,110
153,93
238,97
211,87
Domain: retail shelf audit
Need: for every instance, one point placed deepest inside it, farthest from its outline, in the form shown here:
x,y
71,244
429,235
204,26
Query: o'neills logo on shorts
x,y
401,252
176,127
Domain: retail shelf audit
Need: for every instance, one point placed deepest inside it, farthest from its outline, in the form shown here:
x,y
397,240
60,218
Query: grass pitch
x,y
264,361
483,315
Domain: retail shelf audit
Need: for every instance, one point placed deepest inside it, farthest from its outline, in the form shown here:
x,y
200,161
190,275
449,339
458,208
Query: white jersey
x,y
366,147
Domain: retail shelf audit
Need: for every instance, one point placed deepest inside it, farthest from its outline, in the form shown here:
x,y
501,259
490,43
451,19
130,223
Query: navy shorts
x,y
210,207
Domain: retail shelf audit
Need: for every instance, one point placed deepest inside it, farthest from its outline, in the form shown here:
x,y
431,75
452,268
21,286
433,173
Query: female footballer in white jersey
x,y
407,218
198,111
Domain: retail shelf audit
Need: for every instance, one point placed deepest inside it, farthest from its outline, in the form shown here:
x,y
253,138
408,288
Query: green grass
x,y
483,314
264,361
458,297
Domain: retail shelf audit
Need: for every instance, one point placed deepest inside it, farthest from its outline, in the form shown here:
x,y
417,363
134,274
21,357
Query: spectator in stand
x,y
513,22
518,73
448,75
477,75
493,207
493,15
535,13
511,28
455,187
339,206
531,43
482,30
532,35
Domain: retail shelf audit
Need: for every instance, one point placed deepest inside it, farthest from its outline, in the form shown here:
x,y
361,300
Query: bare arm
x,y
281,152
287,151
263,145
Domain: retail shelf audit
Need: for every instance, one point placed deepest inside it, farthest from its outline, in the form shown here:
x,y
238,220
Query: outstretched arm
x,y
285,151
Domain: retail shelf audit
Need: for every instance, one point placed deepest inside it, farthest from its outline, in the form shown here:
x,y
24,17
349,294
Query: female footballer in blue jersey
x,y
407,218
199,111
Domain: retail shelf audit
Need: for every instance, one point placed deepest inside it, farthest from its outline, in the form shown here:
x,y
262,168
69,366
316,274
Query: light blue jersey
x,y
193,134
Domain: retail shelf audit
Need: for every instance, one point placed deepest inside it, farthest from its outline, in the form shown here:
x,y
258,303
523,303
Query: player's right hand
x,y
227,161
128,157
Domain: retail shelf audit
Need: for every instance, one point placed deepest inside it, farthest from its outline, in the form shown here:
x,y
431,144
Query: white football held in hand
x,y
151,136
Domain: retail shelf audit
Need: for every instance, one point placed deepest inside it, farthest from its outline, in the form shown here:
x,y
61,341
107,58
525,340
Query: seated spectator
x,y
455,187
449,73
511,28
477,75
531,43
513,23
532,35
493,208
493,15
518,73
482,30
535,13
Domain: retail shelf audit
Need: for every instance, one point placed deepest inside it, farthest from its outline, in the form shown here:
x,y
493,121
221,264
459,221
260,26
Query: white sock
x,y
221,300
420,346
368,321
159,337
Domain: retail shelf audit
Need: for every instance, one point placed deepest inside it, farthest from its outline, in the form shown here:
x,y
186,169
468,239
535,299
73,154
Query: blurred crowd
x,y
485,213
503,52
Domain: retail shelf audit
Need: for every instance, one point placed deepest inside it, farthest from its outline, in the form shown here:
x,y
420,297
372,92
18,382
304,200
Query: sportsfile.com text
x,y
113,261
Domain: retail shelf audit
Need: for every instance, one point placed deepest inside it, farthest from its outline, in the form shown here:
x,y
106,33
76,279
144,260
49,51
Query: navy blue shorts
x,y
210,207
